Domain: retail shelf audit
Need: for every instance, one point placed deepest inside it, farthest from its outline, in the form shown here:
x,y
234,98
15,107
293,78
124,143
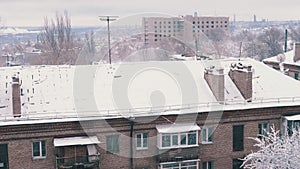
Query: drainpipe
x,y
131,142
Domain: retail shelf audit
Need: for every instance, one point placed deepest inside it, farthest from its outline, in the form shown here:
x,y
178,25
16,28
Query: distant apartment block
x,y
182,27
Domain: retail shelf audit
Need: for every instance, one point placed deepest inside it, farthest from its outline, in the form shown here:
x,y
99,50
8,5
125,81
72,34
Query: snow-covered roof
x,y
177,128
67,93
287,58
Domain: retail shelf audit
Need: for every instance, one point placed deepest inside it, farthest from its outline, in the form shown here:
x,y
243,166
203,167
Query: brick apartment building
x,y
49,119
288,63
185,28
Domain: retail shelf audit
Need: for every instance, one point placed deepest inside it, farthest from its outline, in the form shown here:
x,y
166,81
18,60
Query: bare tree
x,y
295,33
273,39
57,41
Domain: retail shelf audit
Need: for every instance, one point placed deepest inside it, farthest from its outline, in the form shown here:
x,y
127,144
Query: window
x,y
112,144
186,139
180,165
208,165
207,135
297,76
236,163
142,141
263,129
238,138
39,149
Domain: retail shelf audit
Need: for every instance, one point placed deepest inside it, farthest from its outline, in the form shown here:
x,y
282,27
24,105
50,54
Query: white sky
x,y
86,12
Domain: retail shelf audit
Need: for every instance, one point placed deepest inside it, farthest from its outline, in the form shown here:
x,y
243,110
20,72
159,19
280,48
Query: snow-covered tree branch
x,y
275,152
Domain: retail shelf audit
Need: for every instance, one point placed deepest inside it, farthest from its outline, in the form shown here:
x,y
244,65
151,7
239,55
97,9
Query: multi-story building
x,y
184,28
166,115
288,63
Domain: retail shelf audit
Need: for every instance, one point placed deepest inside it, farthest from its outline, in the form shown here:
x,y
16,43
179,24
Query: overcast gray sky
x,y
86,12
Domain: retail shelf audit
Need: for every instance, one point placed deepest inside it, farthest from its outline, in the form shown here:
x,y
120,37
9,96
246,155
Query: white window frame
x,y
40,156
206,140
143,147
179,164
264,131
178,143
207,166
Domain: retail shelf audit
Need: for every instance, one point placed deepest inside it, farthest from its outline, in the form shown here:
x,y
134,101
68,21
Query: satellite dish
x,y
280,58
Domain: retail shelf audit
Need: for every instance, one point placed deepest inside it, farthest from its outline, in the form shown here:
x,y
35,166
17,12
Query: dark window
x,y
112,144
39,149
297,76
192,138
238,138
236,163
263,129
208,165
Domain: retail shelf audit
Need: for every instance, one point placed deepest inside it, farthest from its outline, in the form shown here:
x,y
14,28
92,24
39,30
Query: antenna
x,y
108,19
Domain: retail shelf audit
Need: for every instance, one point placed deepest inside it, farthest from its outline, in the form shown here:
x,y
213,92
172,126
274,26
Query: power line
x,y
108,19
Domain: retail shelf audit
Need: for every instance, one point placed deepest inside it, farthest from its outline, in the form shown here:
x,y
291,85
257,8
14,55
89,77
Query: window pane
x,y
210,165
138,140
210,134
112,144
145,140
204,135
175,139
43,148
116,144
183,139
36,149
192,138
260,129
166,141
204,165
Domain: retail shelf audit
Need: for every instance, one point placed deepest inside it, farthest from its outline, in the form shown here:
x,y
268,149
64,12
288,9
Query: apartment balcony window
x,y
177,136
76,152
189,164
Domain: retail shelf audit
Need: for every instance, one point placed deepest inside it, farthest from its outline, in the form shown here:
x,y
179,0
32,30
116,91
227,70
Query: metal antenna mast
x,y
108,19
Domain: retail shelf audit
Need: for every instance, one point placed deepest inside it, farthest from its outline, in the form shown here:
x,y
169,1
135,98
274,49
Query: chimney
x,y
215,80
16,100
297,52
241,75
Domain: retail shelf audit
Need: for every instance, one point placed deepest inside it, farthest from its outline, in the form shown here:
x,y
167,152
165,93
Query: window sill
x,y
39,158
204,142
141,149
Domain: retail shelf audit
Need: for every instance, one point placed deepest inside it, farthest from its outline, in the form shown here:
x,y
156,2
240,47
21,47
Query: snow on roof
x,y
177,128
288,58
67,93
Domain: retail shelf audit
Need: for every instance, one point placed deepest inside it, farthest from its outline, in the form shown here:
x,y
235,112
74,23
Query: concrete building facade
x,y
184,28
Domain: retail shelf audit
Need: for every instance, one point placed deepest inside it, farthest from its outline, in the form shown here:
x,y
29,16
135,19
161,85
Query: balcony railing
x,y
178,154
78,162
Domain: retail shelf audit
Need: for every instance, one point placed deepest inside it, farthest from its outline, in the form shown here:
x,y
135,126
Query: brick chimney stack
x,y
297,52
215,80
16,100
241,75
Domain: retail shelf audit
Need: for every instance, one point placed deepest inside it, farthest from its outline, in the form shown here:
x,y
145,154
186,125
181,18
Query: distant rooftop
x,y
66,93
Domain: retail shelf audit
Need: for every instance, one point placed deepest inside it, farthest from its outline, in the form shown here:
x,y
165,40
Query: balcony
x,y
78,162
178,154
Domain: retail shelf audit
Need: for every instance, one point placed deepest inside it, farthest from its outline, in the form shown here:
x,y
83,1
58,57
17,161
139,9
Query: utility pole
x,y
108,19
